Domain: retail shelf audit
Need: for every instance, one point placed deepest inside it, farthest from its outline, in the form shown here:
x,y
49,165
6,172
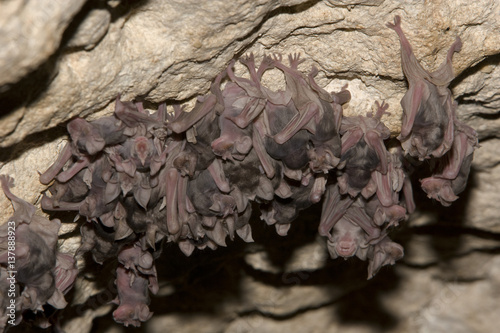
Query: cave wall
x,y
60,60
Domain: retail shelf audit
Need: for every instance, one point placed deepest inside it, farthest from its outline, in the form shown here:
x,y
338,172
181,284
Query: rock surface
x,y
31,32
83,54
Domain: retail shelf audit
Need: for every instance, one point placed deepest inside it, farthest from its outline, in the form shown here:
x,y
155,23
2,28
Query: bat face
x,y
346,239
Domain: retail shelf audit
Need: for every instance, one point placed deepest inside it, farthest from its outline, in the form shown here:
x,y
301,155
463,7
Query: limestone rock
x,y
27,161
31,31
91,30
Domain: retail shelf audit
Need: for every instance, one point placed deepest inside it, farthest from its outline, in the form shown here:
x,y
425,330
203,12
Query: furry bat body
x,y
42,273
363,152
452,172
428,106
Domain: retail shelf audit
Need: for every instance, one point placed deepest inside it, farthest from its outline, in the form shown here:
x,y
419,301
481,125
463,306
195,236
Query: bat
x,y
428,106
133,298
363,152
42,273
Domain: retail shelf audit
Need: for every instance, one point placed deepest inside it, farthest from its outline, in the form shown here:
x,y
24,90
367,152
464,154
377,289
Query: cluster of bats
x,y
194,178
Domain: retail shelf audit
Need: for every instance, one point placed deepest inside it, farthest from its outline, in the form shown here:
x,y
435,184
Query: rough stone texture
x,y
31,32
91,30
83,54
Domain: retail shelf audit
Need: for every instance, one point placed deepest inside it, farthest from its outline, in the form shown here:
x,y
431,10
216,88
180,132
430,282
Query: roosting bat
x,y
363,152
428,105
133,298
41,273
317,112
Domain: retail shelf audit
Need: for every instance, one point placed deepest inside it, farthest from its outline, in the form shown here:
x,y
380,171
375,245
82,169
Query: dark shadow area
x,y
279,249
29,88
492,60
447,218
32,141
123,9
363,305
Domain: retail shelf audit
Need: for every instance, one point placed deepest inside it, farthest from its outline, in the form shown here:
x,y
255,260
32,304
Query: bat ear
x,y
385,253
57,300
186,247
245,233
342,97
396,251
142,196
362,253
282,228
331,250
244,146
